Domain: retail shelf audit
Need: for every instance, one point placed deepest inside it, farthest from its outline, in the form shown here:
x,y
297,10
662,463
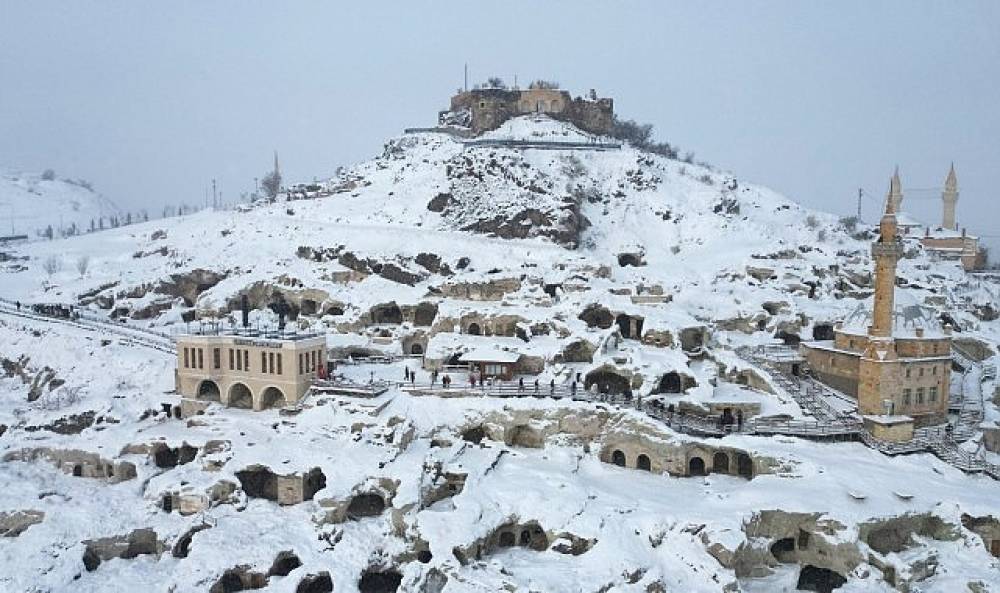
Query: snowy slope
x,y
560,232
29,204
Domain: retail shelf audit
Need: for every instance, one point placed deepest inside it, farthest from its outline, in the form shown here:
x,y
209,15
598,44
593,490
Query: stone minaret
x,y
896,192
886,252
949,197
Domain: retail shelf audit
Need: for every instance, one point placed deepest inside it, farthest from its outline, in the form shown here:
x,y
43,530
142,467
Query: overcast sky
x,y
150,101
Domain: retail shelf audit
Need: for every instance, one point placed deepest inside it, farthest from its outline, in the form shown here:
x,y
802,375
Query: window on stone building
x,y
920,371
239,360
186,365
246,360
232,360
920,395
934,370
833,361
263,362
301,371
216,358
201,358
906,397
908,373
482,104
932,394
279,363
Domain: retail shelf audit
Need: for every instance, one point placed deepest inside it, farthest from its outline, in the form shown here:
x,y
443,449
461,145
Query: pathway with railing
x,y
85,320
943,441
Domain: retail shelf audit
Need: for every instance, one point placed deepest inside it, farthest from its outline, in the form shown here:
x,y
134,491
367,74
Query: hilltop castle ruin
x,y
485,109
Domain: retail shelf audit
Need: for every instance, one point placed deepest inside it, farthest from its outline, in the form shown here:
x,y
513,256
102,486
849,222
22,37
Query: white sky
x,y
152,101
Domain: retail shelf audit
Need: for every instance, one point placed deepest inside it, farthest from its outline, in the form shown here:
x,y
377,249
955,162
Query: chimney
x,y
245,308
963,232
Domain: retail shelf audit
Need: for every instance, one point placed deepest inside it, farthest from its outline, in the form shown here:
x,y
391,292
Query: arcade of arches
x,y
697,461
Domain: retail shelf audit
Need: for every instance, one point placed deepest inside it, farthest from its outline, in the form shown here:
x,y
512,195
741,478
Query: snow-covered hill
x,y
30,203
589,260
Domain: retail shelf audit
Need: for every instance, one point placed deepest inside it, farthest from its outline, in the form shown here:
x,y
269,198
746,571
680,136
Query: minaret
x,y
949,197
886,252
276,169
896,192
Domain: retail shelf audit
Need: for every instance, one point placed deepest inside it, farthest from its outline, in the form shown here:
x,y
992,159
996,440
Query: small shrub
x,y
811,221
49,175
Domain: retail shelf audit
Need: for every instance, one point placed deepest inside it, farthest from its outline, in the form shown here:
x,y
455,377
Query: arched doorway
x,y
506,539
416,349
618,458
209,391
670,383
607,381
744,465
240,396
642,462
696,466
272,398
720,463
474,329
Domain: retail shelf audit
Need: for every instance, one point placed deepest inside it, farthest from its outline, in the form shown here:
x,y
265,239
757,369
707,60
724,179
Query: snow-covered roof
x,y
490,355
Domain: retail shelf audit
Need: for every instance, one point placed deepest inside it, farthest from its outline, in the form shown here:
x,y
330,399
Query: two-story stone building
x,y
256,370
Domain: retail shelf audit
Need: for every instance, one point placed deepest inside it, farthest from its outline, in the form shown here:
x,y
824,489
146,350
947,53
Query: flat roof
x,y
488,355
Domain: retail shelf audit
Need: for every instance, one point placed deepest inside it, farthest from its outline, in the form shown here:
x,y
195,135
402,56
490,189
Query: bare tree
x,y
49,175
82,263
543,84
51,265
271,184
494,82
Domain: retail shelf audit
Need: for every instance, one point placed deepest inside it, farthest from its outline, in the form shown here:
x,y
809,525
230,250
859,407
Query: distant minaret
x,y
276,169
949,197
896,192
886,252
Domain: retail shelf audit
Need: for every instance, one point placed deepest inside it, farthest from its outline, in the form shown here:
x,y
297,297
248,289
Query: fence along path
x,y
84,320
945,443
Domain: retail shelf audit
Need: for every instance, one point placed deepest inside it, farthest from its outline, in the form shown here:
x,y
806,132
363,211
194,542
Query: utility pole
x,y
860,193
215,196
465,84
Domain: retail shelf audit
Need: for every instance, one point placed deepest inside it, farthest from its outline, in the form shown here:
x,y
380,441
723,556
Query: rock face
x,y
78,463
136,543
14,523
190,285
259,481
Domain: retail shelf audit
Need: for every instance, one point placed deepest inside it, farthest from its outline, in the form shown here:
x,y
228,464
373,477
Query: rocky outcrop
x,y
190,285
258,481
595,315
14,523
138,542
493,290
78,463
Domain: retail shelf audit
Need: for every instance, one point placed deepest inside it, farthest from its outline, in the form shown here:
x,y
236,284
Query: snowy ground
x,y
735,261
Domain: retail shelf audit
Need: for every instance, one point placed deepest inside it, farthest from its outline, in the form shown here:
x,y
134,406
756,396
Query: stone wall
x,y
490,108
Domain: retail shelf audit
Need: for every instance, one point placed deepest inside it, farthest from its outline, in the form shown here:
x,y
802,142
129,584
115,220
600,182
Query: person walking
x,y
536,386
552,387
572,389
520,385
